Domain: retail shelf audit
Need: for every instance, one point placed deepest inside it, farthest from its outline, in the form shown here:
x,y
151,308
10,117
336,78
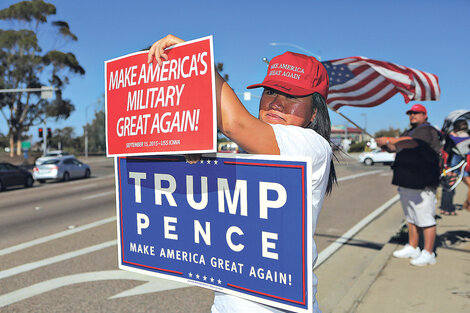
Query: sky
x,y
428,35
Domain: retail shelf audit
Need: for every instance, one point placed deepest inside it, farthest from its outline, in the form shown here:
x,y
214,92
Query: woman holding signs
x,y
293,120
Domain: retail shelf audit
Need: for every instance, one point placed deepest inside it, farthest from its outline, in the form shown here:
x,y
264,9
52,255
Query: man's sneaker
x,y
424,258
407,252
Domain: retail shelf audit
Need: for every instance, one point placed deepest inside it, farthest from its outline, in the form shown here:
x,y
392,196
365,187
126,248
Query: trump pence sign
x,y
162,110
241,225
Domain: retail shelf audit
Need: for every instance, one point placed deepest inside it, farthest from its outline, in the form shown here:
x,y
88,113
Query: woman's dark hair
x,y
322,126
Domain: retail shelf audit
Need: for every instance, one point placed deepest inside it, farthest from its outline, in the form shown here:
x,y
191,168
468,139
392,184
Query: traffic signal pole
x,y
44,145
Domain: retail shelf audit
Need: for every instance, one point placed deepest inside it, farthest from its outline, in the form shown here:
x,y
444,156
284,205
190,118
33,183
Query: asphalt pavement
x,y
387,284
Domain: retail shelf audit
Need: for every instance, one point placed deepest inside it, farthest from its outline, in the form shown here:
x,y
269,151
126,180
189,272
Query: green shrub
x,y
357,147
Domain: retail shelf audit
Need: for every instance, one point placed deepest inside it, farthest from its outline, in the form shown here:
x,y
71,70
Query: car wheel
x,y
368,162
87,173
41,181
66,176
29,182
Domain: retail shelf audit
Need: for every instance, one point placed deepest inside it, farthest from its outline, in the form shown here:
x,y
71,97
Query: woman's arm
x,y
233,120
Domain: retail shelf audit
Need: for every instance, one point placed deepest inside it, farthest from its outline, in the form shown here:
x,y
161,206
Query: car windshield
x,y
53,161
56,153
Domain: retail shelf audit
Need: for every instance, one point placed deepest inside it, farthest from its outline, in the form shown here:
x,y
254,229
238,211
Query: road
x,y
58,247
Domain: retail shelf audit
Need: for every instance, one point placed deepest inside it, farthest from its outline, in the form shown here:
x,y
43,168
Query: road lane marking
x,y
98,195
153,284
73,182
332,248
58,258
56,236
83,187
359,175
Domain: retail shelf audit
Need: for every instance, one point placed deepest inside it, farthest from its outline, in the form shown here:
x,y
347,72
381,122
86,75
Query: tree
x,y
24,65
390,132
64,139
96,133
3,141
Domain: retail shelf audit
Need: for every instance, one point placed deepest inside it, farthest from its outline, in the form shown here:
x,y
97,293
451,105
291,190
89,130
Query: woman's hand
x,y
157,51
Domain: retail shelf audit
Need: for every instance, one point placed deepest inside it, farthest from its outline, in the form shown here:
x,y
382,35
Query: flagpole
x,y
346,118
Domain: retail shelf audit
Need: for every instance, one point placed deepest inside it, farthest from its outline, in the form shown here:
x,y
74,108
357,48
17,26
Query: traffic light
x,y
40,132
49,133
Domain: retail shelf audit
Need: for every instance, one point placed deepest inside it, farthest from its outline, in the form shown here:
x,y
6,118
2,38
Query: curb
x,y
332,248
358,291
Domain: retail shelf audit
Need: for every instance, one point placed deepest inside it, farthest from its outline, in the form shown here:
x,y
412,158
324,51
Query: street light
x,y
98,101
295,46
365,120
86,131
364,131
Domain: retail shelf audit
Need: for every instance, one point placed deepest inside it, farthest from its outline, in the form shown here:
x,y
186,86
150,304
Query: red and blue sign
x,y
237,224
162,110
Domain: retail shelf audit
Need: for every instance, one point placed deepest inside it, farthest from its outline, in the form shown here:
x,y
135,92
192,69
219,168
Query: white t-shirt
x,y
295,141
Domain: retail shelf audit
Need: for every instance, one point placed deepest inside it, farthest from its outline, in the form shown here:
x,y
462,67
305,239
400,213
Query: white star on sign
x,y
190,274
219,281
208,161
215,162
204,277
197,276
212,279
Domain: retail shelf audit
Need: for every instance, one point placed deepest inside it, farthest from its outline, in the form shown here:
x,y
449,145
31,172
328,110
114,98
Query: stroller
x,y
453,173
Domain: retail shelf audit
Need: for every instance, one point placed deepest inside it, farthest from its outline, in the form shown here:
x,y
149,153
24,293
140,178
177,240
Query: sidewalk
x,y
393,285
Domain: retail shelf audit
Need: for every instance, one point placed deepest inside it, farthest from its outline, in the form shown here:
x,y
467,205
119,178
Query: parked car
x,y
11,175
376,156
61,168
51,155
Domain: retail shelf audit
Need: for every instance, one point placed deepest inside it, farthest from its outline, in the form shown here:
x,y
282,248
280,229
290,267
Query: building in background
x,y
349,133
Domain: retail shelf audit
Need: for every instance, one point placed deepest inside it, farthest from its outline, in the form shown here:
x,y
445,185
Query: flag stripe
x,y
374,82
364,93
357,82
370,101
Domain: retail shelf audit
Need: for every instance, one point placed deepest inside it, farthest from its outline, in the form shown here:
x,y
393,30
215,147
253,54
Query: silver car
x,y
376,156
51,155
61,168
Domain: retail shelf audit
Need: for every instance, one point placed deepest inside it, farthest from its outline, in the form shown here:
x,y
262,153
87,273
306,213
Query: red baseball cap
x,y
296,74
417,108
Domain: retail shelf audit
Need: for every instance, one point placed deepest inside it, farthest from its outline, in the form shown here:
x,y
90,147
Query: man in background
x,y
416,173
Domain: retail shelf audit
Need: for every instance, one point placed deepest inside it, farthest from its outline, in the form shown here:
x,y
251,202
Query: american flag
x,y
363,82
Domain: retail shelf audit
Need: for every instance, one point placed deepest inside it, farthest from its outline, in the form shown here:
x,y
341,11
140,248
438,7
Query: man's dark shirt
x,y
418,167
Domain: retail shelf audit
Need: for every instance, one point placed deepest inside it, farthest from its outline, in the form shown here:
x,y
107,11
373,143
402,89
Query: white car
x,y
61,168
50,155
376,156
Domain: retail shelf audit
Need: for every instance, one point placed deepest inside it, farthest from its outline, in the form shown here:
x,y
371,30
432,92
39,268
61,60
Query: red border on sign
x,y
191,124
301,167
303,229
122,235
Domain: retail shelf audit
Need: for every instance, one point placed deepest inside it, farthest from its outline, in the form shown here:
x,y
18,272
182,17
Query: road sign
x,y
25,145
162,110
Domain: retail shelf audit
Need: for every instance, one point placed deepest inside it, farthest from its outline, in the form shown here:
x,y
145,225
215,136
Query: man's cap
x,y
417,108
296,74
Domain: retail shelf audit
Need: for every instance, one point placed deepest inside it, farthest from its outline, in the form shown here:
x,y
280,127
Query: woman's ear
x,y
314,115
